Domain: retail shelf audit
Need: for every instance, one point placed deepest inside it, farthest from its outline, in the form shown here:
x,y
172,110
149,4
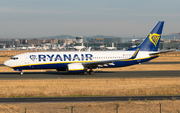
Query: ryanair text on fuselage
x,y
62,57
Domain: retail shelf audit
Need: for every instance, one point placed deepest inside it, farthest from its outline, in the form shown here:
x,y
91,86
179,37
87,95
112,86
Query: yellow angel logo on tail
x,y
154,38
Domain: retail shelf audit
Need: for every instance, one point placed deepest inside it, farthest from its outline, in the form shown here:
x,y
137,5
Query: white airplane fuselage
x,y
55,60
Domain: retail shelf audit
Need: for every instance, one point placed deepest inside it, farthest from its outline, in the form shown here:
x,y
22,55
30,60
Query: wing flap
x,y
105,63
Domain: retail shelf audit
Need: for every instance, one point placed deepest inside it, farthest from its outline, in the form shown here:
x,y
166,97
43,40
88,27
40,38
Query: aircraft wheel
x,y
21,73
91,72
85,72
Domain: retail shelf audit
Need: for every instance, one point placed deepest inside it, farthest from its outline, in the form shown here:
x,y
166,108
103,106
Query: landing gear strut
x,y
21,73
91,72
85,71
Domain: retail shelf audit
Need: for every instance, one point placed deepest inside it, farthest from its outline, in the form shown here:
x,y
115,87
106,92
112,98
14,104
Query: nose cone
x,y
7,63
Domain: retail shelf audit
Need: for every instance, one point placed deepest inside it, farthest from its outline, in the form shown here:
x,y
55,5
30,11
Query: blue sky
x,y
123,18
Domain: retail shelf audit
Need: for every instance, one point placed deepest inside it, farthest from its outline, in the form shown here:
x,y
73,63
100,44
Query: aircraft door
x,y
26,59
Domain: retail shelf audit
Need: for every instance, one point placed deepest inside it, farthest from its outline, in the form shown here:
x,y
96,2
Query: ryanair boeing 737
x,y
86,61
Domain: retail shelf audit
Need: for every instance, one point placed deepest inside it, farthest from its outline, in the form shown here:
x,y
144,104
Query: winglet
x,y
135,54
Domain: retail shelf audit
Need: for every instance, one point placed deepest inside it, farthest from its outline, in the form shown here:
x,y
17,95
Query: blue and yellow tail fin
x,y
151,43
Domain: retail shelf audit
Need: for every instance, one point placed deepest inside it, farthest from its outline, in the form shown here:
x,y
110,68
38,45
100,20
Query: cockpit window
x,y
14,58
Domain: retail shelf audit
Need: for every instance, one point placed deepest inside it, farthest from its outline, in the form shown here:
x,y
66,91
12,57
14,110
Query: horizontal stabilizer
x,y
161,52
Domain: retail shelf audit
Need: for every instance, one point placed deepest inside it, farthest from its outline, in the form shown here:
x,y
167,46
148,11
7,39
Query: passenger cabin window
x,y
14,58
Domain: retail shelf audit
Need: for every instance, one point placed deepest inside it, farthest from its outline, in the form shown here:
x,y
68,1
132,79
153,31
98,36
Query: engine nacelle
x,y
75,67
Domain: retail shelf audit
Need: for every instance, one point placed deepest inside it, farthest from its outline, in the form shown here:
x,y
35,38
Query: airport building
x,y
23,41
10,42
94,43
34,42
79,39
106,40
54,41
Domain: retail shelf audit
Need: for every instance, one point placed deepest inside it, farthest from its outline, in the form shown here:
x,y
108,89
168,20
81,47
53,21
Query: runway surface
x,y
89,99
98,74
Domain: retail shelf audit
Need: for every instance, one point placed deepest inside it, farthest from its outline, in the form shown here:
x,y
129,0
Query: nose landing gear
x,y
21,73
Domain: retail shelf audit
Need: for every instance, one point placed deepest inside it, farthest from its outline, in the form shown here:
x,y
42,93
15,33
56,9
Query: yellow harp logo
x,y
154,38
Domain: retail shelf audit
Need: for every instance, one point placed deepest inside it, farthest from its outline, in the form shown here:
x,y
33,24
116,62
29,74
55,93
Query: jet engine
x,y
75,67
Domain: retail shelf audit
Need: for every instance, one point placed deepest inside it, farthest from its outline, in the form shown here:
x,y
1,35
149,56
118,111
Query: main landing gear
x,y
91,72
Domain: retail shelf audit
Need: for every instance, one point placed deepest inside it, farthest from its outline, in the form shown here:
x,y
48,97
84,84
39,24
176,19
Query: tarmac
x,y
89,99
97,75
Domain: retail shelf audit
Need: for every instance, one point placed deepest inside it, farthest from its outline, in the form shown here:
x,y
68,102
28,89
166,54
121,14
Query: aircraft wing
x,y
108,62
101,63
